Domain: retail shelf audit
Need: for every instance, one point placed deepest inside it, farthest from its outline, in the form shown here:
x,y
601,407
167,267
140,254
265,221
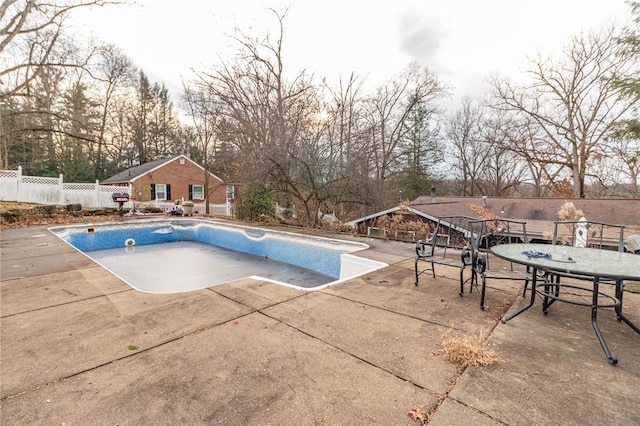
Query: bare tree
x,y
527,140
388,114
31,42
575,101
467,150
30,32
504,168
344,116
205,111
115,70
270,119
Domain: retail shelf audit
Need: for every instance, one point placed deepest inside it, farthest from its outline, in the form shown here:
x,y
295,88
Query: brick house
x,y
162,182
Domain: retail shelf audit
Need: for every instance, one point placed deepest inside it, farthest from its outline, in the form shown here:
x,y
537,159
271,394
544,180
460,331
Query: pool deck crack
x,y
43,308
261,311
341,349
382,308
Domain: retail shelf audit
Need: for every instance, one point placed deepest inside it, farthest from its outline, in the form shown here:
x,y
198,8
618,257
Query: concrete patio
x,y
80,347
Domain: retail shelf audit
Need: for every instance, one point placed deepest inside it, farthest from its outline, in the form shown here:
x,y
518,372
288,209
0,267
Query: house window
x,y
196,192
160,191
230,192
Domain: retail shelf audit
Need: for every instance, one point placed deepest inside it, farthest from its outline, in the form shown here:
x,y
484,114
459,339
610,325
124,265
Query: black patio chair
x,y
485,234
447,245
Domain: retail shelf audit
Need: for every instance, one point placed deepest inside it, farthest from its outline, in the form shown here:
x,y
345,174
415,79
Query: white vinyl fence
x,y
45,190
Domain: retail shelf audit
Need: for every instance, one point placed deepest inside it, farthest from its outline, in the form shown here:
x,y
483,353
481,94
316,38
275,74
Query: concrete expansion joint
x,y
65,303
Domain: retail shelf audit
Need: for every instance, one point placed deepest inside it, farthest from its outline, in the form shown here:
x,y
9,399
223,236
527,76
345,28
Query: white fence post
x,y
19,185
60,190
97,202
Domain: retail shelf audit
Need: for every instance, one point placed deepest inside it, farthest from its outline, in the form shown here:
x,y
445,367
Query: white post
x,y
19,185
97,202
581,233
60,190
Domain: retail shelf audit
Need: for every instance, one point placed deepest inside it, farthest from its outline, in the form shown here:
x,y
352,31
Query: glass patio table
x,y
585,264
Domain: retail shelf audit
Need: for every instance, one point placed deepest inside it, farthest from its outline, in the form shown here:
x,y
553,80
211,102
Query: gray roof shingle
x,y
133,172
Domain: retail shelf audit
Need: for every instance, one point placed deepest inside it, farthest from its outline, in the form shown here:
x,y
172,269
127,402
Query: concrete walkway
x,y
80,347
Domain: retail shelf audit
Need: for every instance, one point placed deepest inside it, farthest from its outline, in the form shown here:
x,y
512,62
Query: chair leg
x,y
547,288
482,293
417,273
620,316
619,293
472,280
551,282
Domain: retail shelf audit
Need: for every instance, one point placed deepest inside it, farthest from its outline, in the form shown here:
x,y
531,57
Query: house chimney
x,y
433,194
484,201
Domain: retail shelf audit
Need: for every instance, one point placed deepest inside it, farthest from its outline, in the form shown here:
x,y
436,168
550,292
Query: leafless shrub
x,y
466,351
568,211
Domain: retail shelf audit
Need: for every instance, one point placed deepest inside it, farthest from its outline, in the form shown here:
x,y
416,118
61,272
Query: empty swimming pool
x,y
187,254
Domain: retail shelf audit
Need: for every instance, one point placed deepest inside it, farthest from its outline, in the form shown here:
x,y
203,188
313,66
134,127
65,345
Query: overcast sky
x,y
462,41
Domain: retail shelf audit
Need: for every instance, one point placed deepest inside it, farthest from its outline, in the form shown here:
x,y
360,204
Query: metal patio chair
x,y
485,234
583,233
447,245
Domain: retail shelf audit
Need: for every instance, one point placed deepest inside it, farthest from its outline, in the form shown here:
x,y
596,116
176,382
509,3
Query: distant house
x,y
162,182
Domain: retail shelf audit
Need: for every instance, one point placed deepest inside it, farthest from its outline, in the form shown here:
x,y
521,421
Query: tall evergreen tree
x,y
421,153
44,121
78,135
139,119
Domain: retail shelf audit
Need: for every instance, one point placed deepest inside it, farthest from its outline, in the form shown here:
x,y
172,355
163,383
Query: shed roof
x,y
389,211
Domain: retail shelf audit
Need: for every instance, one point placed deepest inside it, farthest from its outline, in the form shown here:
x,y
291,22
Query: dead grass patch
x,y
464,351
12,205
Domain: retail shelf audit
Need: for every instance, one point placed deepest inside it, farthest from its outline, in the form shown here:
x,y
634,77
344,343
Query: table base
x,y
552,291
